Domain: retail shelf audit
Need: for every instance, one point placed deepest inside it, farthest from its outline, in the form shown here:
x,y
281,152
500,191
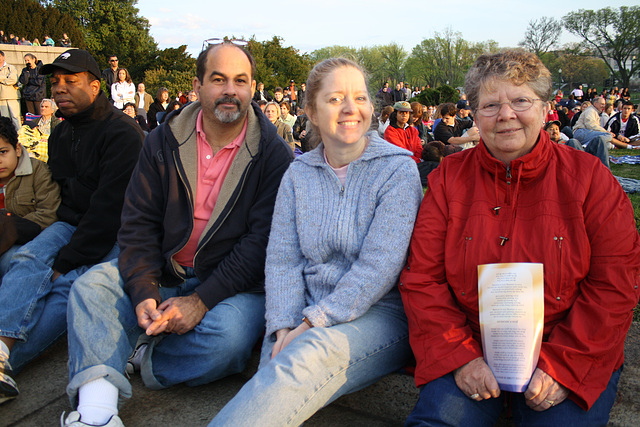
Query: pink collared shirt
x,y
212,171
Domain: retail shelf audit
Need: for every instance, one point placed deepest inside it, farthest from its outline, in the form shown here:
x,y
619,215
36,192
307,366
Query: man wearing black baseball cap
x,y
91,156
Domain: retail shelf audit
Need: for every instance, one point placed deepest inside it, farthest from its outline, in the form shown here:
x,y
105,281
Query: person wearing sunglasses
x,y
110,75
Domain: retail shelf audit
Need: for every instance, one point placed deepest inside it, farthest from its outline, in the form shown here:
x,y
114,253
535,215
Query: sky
x,y
310,25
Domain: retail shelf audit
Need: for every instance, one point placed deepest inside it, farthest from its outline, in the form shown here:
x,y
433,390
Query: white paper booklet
x,y
511,303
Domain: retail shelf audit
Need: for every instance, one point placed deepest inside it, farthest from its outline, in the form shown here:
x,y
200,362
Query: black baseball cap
x,y
552,122
74,60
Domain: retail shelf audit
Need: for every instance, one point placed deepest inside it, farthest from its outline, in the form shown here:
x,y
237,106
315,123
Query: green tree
x,y
613,34
579,69
371,58
541,35
445,58
333,52
394,57
113,27
31,20
277,64
175,59
175,81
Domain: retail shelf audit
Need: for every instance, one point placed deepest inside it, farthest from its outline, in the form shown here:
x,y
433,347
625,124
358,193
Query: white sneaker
x,y
8,386
73,420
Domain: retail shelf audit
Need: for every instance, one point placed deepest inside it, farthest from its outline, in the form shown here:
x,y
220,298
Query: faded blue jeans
x,y
442,403
103,331
33,307
595,142
318,367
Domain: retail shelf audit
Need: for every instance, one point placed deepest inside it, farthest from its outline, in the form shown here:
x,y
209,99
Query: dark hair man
x,y
625,125
110,75
91,156
189,279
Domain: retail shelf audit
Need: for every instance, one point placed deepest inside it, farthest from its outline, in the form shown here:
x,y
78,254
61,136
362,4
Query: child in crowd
x,y
29,197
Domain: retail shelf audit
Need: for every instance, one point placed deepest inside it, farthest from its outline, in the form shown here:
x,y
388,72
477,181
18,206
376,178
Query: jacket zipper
x,y
184,182
558,286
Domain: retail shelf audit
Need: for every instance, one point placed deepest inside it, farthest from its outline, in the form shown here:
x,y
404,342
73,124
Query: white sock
x,y
4,349
97,402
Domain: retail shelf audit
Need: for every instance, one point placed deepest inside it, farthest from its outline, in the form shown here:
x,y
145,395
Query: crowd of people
x,y
168,237
10,38
609,121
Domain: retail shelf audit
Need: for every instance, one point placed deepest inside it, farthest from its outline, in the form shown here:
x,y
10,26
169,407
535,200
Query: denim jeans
x,y
317,367
595,142
5,260
103,331
34,307
441,403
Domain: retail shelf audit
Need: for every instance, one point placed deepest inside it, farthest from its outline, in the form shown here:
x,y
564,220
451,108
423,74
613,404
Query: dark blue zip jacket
x,y
157,218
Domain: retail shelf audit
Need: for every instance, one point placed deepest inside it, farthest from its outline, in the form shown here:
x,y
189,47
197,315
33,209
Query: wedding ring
x,y
474,396
550,402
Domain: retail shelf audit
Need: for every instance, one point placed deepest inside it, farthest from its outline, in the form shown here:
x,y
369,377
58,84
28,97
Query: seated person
x,y
130,110
383,120
432,155
189,277
625,125
400,133
450,131
34,135
560,208
29,197
335,323
594,138
273,111
553,129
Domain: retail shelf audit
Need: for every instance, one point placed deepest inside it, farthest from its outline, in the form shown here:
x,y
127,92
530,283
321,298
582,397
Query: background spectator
x,y
33,84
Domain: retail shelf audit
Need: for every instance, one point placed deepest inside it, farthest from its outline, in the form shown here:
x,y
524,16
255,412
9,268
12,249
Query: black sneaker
x,y
135,360
8,387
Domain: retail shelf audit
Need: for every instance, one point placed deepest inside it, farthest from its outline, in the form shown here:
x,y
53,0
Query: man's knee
x,y
96,282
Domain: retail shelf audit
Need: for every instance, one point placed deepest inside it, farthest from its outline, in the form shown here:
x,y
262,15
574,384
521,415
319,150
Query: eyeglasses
x,y
519,105
113,60
216,41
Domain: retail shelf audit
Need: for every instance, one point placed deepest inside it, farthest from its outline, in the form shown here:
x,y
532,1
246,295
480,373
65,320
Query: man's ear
x,y
196,85
95,87
18,149
253,87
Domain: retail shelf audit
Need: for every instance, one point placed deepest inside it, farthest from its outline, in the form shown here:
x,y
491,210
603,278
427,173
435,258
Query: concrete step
x,y
386,403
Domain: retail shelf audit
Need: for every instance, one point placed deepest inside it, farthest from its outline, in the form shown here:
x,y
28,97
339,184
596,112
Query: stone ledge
x,y
386,403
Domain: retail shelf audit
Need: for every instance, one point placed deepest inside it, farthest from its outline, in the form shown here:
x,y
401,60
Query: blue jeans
x,y
5,260
317,367
103,330
595,142
441,403
34,307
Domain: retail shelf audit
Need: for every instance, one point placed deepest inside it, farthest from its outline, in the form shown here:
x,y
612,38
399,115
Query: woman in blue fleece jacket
x,y
342,222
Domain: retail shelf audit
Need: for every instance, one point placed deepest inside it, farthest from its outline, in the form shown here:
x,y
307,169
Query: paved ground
x,y
386,403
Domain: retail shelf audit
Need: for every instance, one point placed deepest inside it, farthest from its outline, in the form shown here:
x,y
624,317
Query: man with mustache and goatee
x,y
189,282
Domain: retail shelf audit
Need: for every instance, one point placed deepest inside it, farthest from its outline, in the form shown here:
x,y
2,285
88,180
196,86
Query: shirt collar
x,y
235,143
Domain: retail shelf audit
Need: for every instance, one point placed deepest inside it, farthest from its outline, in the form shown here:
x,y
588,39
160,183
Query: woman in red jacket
x,y
400,133
519,198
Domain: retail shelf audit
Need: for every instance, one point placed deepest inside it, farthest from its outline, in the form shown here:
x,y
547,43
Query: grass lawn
x,y
630,171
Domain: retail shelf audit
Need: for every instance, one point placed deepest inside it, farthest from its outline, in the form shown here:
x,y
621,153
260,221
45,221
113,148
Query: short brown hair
x,y
514,66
